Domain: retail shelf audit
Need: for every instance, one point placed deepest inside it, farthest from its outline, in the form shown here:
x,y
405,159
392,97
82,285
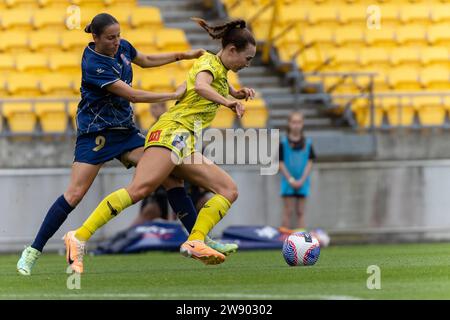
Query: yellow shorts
x,y
171,135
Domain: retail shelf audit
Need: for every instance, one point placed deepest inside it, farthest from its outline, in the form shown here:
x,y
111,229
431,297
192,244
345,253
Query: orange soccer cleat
x,y
74,251
198,250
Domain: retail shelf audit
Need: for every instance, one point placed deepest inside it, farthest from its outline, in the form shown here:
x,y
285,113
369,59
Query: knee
x,y
230,192
139,192
74,196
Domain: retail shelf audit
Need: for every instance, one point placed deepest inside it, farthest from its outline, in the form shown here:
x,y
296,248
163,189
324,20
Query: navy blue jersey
x,y
98,108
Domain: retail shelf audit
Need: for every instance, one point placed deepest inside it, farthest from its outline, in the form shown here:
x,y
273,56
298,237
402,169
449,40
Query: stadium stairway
x,y
264,79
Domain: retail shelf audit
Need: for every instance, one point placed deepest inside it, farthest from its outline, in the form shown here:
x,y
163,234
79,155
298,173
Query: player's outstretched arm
x,y
203,88
123,90
160,59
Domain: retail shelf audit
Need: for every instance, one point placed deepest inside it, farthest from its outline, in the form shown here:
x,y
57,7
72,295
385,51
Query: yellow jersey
x,y
193,111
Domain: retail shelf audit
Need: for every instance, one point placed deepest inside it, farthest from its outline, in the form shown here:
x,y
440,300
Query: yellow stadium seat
x,y
412,34
142,39
75,39
86,16
157,81
3,91
345,59
352,14
438,34
435,77
405,55
146,17
380,79
13,41
171,40
320,35
349,36
20,116
128,3
326,14
288,45
7,63
122,14
376,57
53,3
415,13
256,113
76,80
23,84
44,41
51,18
399,112
19,19
144,116
440,13
311,60
73,108
404,78
224,118
434,55
384,36
295,13
20,3
32,62
70,62
389,14
431,110
363,115
59,84
52,116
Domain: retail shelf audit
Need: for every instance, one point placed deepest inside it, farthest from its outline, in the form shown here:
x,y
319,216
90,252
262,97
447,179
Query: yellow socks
x,y
212,212
111,206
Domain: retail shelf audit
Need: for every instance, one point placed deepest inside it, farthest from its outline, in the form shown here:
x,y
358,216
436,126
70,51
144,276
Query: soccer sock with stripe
x,y
110,207
212,212
54,219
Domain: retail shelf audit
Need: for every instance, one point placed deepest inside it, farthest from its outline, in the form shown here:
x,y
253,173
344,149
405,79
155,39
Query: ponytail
x,y
234,32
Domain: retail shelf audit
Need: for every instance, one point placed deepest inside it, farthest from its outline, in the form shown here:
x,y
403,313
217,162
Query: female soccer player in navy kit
x,y
105,125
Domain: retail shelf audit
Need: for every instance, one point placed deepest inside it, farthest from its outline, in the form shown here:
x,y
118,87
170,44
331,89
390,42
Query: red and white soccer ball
x,y
301,249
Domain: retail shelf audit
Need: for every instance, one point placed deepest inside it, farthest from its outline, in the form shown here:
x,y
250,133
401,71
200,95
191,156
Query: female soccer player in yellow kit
x,y
170,147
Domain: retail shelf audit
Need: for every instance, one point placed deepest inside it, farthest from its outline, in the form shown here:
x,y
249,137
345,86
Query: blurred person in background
x,y
296,156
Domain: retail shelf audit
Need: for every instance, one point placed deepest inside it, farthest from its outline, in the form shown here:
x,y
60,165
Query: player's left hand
x,y
180,90
193,54
245,93
237,107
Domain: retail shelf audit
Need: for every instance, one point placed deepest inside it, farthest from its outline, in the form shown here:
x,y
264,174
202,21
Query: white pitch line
x,y
178,296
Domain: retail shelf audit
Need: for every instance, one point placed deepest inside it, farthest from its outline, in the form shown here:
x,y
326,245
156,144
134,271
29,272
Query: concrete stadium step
x,y
265,81
173,5
310,123
284,113
181,16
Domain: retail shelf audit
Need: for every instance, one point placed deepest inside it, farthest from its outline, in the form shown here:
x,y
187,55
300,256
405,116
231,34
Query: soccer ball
x,y
301,249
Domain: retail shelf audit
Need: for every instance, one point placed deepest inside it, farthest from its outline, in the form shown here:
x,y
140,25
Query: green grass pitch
x,y
408,271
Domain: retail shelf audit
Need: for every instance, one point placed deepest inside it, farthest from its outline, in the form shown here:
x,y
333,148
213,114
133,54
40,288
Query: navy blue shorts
x,y
103,146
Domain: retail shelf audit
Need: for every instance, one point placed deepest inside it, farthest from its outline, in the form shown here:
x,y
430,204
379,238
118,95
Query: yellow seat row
x,y
76,40
403,111
53,116
62,3
77,17
59,116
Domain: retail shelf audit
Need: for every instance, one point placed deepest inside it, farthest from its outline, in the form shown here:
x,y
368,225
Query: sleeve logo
x,y
154,136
